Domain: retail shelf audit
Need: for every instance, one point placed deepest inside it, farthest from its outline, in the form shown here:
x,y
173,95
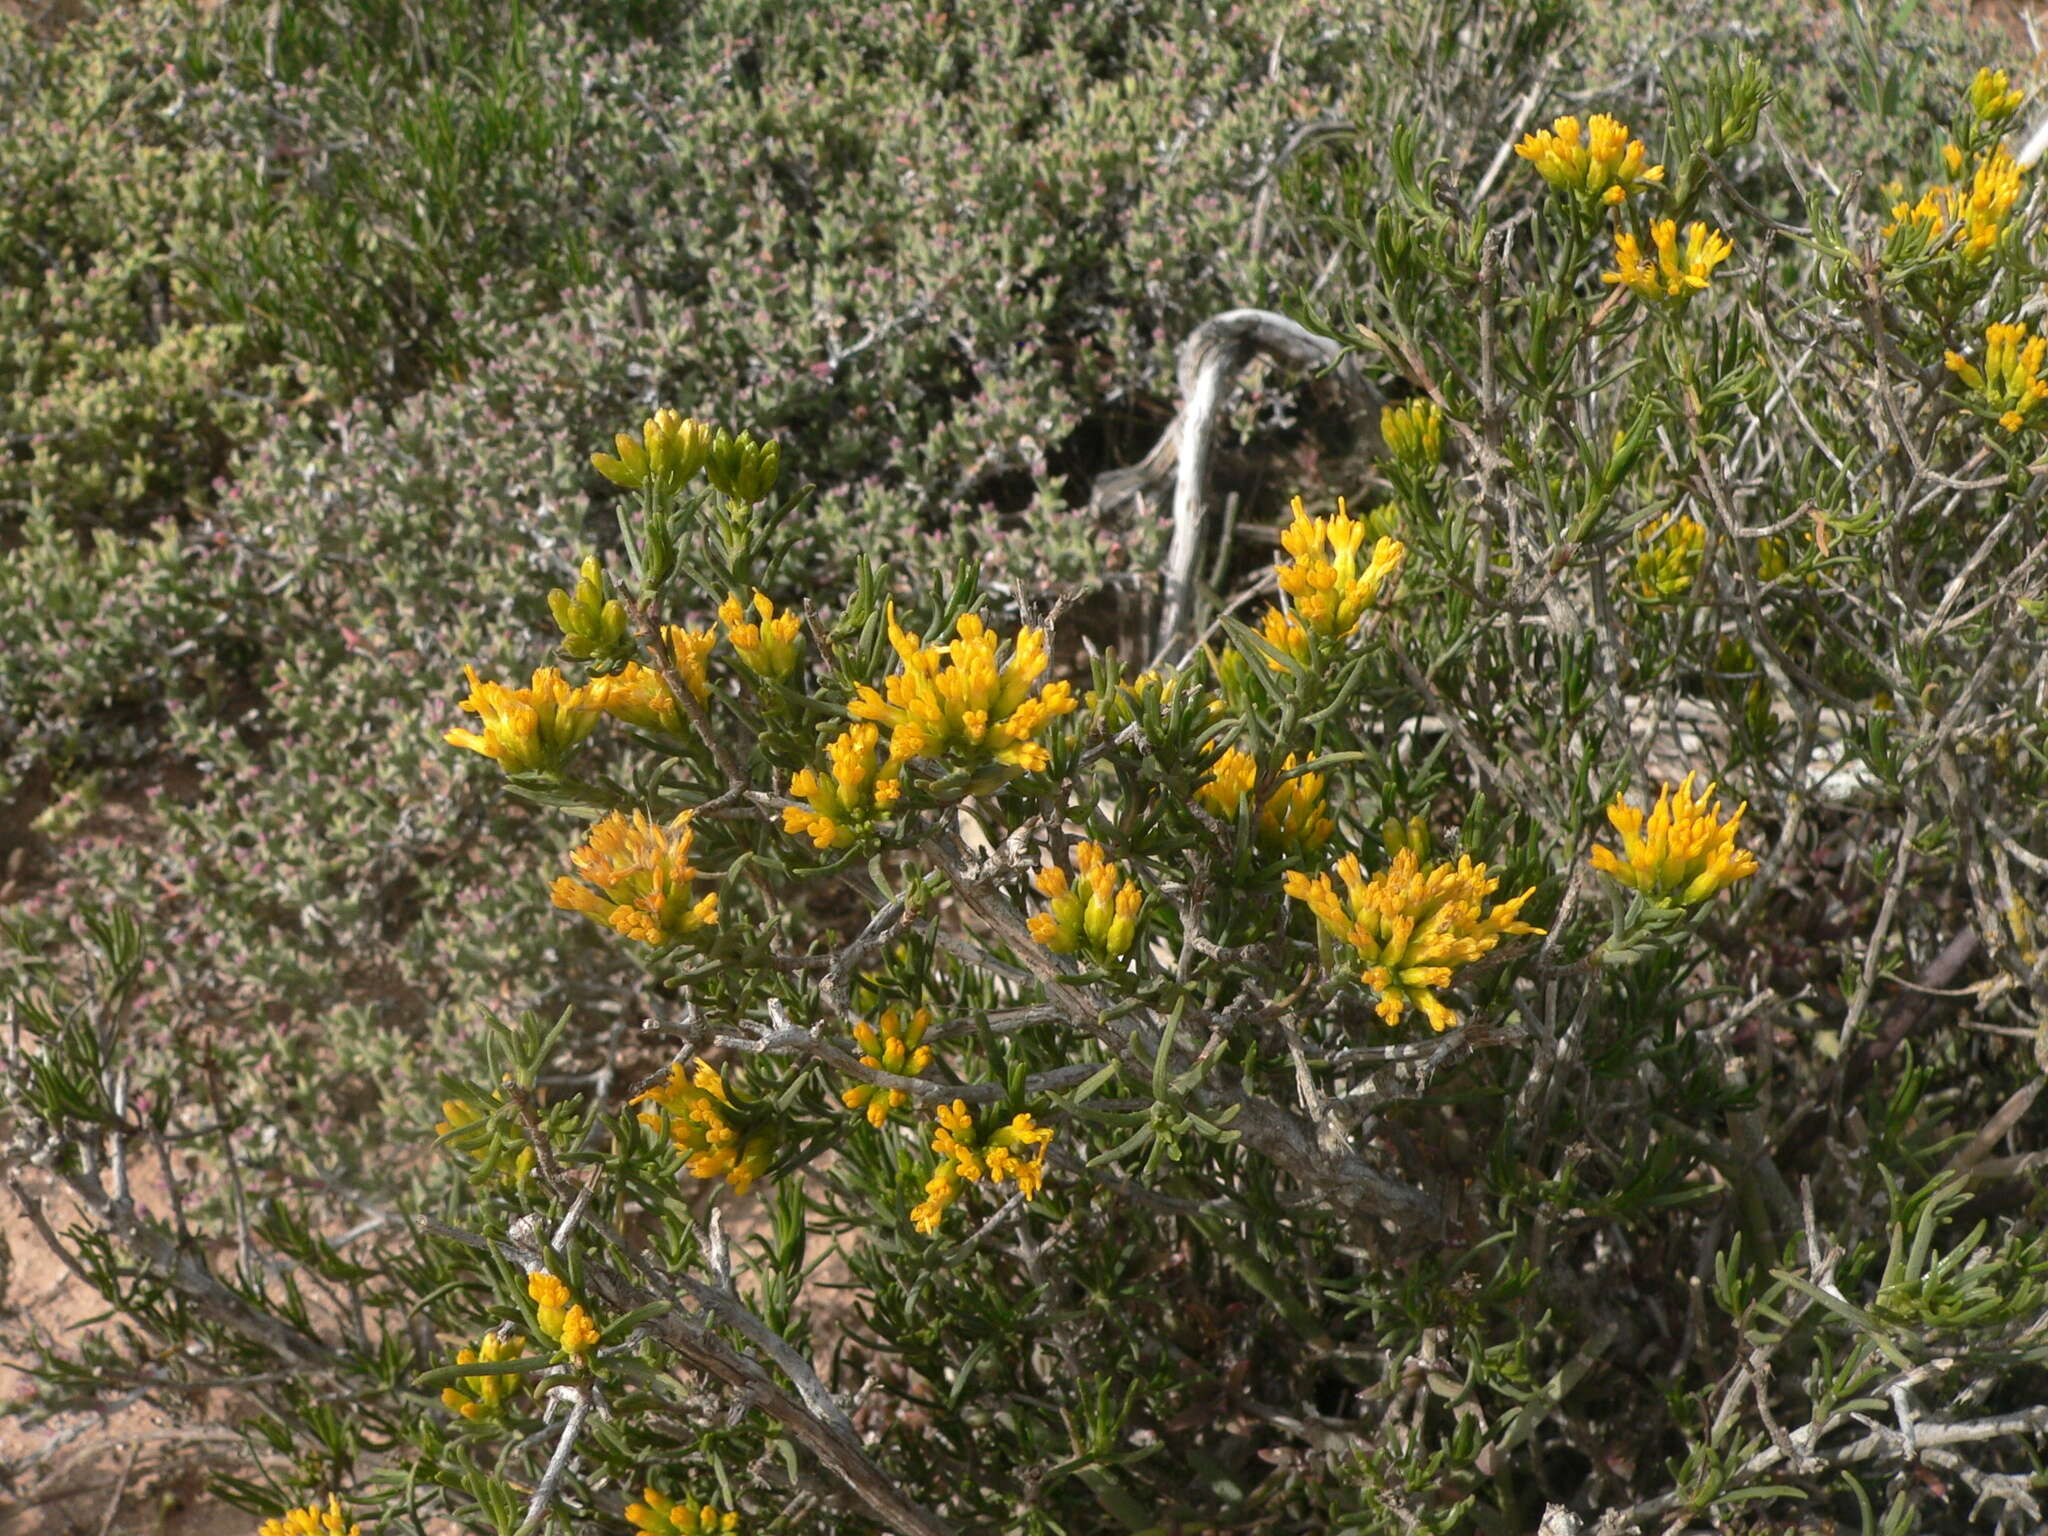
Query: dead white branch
x,y
1211,359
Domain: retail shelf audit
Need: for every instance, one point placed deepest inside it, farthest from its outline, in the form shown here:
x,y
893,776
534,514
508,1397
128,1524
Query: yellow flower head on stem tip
x,y
691,650
1976,213
1673,274
961,702
657,1515
1097,918
712,1135
1990,97
1014,1153
768,643
456,1115
634,875
1231,778
478,1397
1327,582
846,800
637,695
311,1520
2010,382
668,453
896,1047
940,1190
1411,926
1293,816
1599,163
527,730
1684,852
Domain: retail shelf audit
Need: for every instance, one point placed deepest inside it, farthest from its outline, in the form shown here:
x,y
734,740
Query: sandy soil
x,y
128,1467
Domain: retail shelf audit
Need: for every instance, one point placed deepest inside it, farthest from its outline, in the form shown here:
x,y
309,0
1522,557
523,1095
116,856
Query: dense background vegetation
x,y
312,316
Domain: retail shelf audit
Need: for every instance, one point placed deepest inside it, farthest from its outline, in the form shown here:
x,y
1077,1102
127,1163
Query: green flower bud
x,y
657,554
593,624
743,469
1410,836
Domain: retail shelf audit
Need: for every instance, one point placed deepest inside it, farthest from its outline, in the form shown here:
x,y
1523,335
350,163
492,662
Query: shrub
x,y
954,259
1470,1031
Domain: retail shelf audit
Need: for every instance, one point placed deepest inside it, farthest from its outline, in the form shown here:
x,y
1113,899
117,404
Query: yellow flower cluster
x,y
1008,1154
1599,163
1990,97
660,1516
1669,560
558,1317
636,694
643,879
1293,817
1099,919
1976,213
1672,275
956,699
668,453
701,1120
312,1520
1686,852
895,1047
2010,381
527,730
1412,925
769,647
1414,433
479,1397
1328,587
845,804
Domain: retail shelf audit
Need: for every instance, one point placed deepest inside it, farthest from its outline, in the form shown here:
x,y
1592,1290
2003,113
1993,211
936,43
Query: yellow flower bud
x,y
667,454
1990,99
479,1397
896,1047
1414,434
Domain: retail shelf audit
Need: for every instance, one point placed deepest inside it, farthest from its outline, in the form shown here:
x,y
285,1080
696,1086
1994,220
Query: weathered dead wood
x,y
1218,350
